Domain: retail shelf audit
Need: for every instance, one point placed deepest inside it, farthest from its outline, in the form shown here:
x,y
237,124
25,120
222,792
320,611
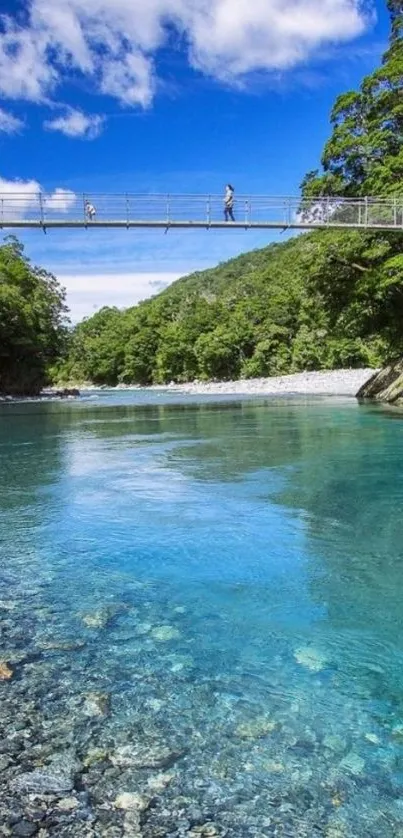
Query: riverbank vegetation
x,y
32,322
321,300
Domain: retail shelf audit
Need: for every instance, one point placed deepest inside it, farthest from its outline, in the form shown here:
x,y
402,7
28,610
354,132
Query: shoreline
x,y
317,383
341,382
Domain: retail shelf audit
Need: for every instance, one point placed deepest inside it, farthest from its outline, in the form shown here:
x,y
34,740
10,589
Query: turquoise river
x,y
201,605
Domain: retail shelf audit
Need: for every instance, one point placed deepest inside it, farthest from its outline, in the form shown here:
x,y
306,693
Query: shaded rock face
x,y
385,386
65,393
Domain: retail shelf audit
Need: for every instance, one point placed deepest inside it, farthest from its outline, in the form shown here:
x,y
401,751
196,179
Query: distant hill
x,y
324,299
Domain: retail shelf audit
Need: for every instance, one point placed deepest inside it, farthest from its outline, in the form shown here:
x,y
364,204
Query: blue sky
x,y
168,96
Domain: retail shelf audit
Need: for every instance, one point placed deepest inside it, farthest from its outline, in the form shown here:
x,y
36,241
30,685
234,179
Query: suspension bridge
x,y
64,209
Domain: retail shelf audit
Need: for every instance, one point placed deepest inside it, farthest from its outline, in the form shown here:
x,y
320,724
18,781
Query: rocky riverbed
x,y
112,725
184,653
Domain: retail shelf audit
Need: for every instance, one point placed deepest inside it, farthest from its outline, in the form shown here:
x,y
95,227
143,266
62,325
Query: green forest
x,y
320,300
33,324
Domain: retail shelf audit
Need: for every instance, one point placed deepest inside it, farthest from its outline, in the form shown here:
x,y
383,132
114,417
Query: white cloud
x,y
267,34
61,200
114,42
75,123
26,69
88,292
130,79
21,198
9,124
18,197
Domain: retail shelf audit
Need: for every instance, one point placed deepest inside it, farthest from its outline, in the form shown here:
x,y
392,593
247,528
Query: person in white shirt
x,y
90,211
229,203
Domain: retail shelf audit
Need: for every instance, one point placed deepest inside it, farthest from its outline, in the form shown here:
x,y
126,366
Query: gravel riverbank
x,y
324,383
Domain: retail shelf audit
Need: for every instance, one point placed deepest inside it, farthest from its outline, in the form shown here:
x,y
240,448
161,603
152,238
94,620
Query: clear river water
x,y
201,608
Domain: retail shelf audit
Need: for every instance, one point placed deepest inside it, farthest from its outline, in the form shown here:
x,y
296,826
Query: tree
x,y
175,359
97,349
33,324
364,155
218,354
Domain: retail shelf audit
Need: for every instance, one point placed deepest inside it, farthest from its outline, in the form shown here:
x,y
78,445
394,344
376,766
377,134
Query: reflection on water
x,y
201,602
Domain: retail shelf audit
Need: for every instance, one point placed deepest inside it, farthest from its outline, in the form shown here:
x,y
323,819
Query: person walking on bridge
x,y
229,203
90,211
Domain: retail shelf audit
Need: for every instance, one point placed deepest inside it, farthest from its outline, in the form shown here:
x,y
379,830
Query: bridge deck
x,y
66,209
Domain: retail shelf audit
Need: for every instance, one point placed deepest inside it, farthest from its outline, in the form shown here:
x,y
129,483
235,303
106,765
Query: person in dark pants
x,y
229,203
90,211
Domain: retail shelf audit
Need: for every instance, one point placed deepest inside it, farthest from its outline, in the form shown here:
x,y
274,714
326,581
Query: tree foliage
x,y
322,300
32,322
364,154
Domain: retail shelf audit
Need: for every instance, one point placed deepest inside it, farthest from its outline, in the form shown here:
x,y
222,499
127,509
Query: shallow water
x,y
201,601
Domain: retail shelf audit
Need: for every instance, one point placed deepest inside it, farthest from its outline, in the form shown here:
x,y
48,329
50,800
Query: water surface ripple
x,y
201,618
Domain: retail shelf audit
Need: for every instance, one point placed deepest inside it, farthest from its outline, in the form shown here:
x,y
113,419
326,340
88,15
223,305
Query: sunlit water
x,y
230,575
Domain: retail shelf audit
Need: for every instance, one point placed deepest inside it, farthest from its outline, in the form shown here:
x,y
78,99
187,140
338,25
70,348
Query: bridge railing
x,y
64,206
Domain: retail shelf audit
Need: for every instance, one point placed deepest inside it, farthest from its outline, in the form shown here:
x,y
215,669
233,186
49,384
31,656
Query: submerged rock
x,y
6,673
335,830
143,628
373,738
96,620
273,767
256,728
165,633
132,801
97,704
131,824
65,393
25,829
141,755
311,658
397,732
62,645
101,618
160,781
353,764
335,743
385,386
205,830
156,704
95,755
68,804
57,777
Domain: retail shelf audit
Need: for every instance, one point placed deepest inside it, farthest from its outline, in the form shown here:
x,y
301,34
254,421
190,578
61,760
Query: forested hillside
x,y
321,300
316,301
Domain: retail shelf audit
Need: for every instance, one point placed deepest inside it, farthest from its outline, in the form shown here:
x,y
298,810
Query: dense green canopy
x,y
32,322
321,300
364,155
